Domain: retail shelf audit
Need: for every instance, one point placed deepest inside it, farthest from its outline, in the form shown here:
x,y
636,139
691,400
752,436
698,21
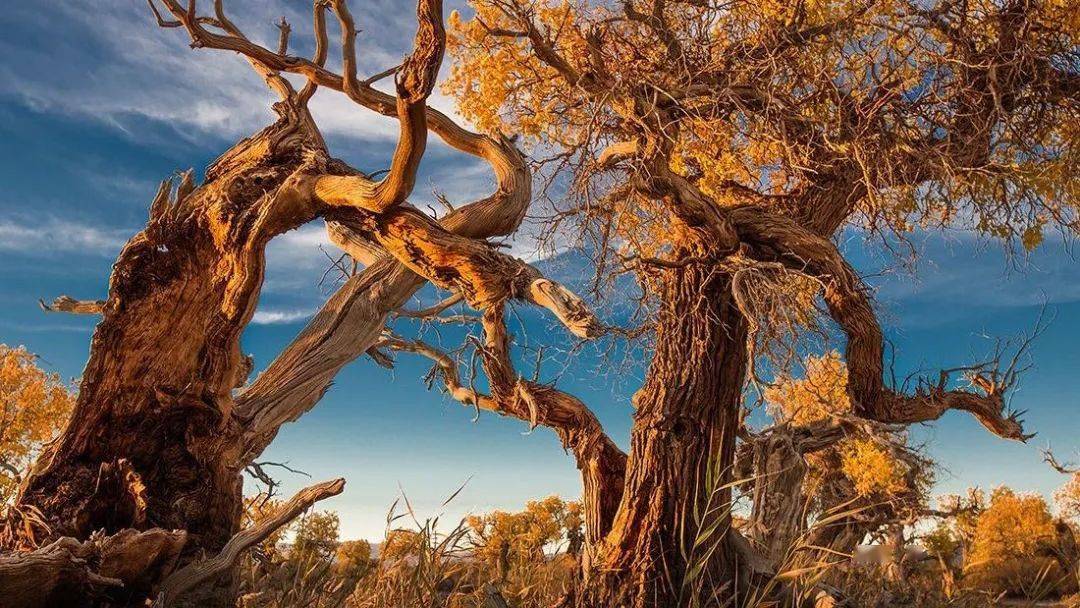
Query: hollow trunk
x,y
152,442
669,539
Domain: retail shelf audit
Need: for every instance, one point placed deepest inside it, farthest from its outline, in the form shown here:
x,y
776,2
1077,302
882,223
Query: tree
x,y
352,559
316,536
503,540
35,405
722,147
160,439
1008,552
714,151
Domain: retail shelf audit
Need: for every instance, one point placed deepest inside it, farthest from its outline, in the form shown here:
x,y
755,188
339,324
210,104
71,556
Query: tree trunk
x,y
152,441
682,450
779,512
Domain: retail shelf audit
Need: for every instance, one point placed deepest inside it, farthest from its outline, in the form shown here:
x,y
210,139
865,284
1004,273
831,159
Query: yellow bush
x,y
1010,551
872,469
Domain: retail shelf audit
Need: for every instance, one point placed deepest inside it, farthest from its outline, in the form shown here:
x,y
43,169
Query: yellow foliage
x,y
491,74
316,534
887,66
400,543
353,559
872,469
522,536
34,406
1067,498
1010,549
819,394
256,509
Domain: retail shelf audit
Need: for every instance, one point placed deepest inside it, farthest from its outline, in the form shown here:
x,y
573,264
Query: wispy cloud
x,y
280,317
139,71
969,272
60,236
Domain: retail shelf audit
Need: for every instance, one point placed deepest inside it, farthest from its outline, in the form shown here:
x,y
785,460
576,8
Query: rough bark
x,y
682,447
152,441
778,470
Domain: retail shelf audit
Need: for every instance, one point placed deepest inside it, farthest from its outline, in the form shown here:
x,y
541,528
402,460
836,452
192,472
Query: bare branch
x,y
73,306
431,311
415,80
1066,468
195,573
475,269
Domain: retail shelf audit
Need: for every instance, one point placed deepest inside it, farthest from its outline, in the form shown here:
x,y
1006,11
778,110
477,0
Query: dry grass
x,y
423,566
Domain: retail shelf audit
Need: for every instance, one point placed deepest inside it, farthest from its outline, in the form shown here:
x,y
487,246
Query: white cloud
x,y
151,73
56,236
300,248
280,317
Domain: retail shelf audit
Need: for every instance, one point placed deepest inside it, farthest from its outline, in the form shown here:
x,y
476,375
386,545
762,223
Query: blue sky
x,y
97,105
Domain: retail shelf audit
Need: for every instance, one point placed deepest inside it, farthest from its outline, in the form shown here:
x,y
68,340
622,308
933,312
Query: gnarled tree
x,y
164,424
708,142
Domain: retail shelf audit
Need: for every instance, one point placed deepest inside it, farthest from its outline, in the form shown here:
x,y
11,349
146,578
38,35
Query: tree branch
x,y
73,306
601,462
775,238
195,573
475,269
414,81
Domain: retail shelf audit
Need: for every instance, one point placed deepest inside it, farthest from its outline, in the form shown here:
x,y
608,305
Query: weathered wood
x,y
68,572
197,573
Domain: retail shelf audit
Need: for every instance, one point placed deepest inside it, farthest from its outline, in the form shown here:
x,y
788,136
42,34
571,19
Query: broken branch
x,y
195,573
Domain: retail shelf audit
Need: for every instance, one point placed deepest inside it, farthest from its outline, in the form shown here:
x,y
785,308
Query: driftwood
x,y
67,572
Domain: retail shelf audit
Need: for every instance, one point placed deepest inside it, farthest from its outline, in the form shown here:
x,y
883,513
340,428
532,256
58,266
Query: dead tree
x,y
164,424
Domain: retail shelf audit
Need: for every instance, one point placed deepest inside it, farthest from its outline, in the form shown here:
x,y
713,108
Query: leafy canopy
x,y
925,113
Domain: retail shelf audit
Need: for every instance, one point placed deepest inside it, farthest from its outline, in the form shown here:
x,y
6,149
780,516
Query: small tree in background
x,y
1012,548
505,540
352,560
316,536
34,406
1067,498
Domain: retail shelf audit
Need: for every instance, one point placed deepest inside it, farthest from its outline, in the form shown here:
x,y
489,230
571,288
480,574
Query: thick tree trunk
x,y
152,441
675,509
